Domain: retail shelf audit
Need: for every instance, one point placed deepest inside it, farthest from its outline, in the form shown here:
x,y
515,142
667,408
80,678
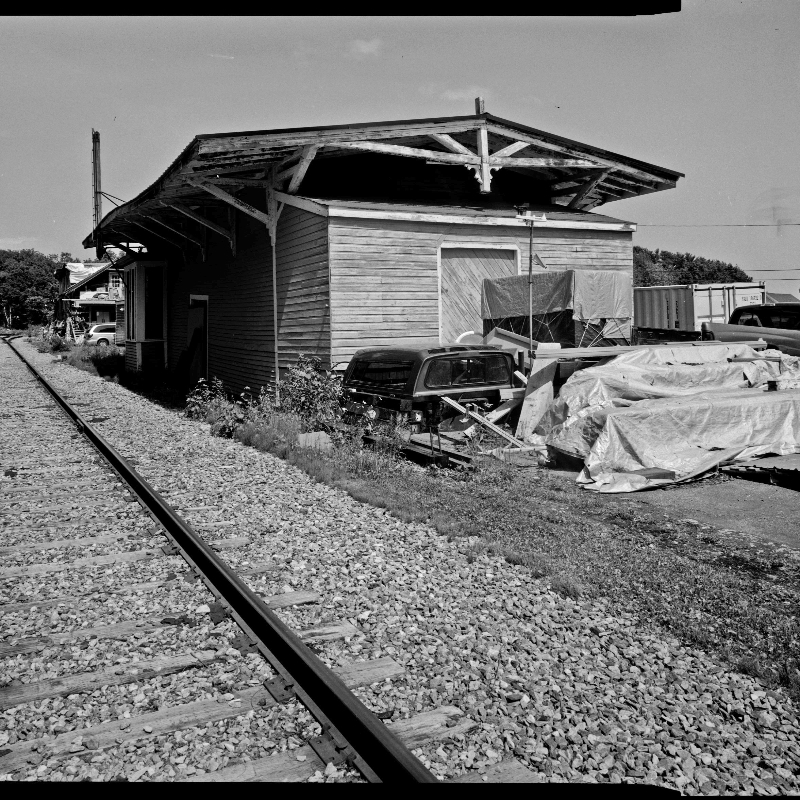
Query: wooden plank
x,y
284,600
187,715
49,488
538,396
114,558
572,353
419,730
11,696
326,632
483,421
59,543
510,771
77,504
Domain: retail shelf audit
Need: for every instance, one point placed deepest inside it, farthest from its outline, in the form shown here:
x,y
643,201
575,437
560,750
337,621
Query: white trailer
x,y
678,312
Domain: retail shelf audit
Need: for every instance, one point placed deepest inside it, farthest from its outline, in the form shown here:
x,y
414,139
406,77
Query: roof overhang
x,y
214,167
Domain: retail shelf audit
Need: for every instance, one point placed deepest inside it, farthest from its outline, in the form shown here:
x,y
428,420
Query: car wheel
x,y
102,342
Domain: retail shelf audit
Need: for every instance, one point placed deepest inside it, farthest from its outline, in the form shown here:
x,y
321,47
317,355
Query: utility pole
x,y
524,213
97,194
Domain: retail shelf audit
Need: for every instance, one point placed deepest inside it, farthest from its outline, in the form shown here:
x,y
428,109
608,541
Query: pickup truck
x,y
777,324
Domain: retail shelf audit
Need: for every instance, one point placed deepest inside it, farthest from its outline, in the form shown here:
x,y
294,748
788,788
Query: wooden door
x,y
463,271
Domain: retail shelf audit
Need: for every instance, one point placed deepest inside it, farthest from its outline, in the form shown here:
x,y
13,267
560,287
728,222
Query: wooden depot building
x,y
263,245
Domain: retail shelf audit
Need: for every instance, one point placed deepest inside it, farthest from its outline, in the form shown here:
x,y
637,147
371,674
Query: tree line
x,y
28,288
662,268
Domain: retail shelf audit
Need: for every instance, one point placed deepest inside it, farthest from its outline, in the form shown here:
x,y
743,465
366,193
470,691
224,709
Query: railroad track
x,y
131,649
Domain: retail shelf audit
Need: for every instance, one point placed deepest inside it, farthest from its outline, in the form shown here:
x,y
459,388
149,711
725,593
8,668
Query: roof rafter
x,y
188,212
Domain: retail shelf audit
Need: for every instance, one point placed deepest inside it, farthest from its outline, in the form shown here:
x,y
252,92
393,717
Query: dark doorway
x,y
197,340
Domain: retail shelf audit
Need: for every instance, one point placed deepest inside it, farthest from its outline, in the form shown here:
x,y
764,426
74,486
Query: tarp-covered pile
x,y
665,414
593,296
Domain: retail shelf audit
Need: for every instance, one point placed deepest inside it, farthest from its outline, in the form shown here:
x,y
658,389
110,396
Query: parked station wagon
x,y
406,385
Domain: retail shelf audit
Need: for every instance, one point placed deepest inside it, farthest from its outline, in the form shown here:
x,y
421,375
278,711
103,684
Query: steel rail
x,y
380,749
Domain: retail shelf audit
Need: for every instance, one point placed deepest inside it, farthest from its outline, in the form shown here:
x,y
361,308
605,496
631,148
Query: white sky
x,y
711,91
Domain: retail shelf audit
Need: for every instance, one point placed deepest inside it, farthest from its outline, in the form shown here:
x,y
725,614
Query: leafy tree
x,y
28,287
662,268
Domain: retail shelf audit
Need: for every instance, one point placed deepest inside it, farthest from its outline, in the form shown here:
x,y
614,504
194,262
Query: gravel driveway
x,y
573,692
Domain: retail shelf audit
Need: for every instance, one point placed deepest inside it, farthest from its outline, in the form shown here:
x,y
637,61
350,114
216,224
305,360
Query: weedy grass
x,y
722,596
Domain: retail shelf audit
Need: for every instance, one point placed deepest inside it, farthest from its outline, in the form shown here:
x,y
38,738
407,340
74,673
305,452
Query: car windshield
x,y
475,371
771,318
381,374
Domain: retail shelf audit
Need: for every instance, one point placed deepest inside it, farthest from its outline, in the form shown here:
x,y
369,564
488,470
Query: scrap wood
x,y
499,412
539,394
608,352
483,421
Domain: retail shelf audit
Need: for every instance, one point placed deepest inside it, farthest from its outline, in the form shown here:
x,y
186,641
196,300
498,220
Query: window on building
x,y
115,280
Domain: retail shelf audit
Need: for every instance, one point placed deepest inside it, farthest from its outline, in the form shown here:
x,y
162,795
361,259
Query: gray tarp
x,y
590,294
680,409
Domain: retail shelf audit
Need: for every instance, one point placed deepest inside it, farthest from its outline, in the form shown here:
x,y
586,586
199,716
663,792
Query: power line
x,y
721,225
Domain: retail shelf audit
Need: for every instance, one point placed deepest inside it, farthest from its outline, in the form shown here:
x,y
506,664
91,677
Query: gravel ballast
x,y
575,693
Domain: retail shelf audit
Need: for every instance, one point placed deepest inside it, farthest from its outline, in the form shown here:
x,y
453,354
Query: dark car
x,y
778,324
405,385
779,315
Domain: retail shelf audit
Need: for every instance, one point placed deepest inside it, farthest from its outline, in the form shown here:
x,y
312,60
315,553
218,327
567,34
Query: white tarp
x,y
680,410
591,294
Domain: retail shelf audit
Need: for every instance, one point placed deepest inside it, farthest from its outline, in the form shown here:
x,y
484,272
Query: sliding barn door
x,y
463,271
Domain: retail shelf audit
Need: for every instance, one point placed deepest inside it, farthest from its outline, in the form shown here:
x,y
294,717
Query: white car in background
x,y
101,335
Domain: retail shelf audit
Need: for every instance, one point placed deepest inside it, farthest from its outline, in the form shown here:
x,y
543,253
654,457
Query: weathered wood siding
x,y
385,273
240,307
303,281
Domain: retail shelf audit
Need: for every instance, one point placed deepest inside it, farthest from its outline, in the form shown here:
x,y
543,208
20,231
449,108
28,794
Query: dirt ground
x,y
750,507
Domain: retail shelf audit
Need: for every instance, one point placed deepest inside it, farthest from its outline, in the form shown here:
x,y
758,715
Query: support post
x,y
273,213
97,194
530,290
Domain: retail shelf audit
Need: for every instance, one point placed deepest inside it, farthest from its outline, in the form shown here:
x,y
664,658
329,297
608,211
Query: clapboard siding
x,y
240,307
385,273
303,297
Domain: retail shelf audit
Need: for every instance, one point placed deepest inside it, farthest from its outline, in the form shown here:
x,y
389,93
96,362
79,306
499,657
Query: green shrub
x,y
311,392
212,403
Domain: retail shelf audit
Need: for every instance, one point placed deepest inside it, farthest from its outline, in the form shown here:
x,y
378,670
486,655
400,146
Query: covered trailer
x,y
671,313
575,308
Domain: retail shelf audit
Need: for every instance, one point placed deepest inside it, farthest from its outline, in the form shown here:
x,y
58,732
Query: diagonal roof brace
x,y
232,200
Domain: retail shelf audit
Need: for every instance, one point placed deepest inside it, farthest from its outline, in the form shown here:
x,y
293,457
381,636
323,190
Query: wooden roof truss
x,y
214,168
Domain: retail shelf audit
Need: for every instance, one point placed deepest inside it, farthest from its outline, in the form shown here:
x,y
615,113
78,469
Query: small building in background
x,y
91,291
777,297
263,245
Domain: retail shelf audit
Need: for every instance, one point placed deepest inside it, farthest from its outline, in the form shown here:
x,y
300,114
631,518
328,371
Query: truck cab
x,y
778,324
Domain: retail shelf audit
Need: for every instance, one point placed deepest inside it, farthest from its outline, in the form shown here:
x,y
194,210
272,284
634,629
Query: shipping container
x,y
661,311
